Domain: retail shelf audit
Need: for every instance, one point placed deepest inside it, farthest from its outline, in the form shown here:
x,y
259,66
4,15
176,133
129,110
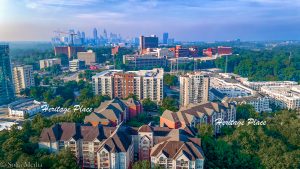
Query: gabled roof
x,y
67,131
173,150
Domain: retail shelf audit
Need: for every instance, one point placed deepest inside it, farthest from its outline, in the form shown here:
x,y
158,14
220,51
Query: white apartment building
x,y
24,107
49,62
194,88
257,85
284,96
76,65
261,103
117,83
230,87
23,77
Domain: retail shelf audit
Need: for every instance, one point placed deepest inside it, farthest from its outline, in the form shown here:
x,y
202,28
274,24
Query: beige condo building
x,y
23,77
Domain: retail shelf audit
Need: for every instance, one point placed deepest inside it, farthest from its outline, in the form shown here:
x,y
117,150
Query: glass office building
x,y
6,82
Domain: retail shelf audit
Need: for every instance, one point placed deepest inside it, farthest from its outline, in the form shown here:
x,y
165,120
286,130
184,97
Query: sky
x,y
185,20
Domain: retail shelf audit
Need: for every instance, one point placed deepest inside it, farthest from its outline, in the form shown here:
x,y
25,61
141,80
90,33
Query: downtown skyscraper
x,y
6,81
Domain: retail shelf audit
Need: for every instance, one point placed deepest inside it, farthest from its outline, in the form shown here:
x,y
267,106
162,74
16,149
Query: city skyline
x,y
35,20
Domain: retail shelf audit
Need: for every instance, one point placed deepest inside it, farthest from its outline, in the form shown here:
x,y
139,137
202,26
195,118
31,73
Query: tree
x,y
149,105
141,165
205,130
170,80
168,103
245,111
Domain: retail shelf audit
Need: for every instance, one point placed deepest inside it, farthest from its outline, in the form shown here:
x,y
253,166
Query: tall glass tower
x,y
6,82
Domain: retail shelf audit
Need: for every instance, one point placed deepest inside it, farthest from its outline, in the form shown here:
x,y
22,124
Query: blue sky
x,y
191,20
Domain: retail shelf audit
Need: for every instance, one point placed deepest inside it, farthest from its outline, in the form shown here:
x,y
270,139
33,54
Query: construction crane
x,y
67,33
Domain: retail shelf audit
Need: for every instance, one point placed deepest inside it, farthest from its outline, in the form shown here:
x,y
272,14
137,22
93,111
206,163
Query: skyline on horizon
x,y
35,20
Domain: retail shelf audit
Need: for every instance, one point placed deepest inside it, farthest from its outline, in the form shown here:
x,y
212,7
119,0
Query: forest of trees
x,y
280,63
275,145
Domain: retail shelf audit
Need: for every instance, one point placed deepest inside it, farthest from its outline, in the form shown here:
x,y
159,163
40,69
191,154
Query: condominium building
x,y
117,83
76,65
194,88
197,114
230,87
49,62
148,42
118,147
284,96
89,57
23,77
6,80
260,102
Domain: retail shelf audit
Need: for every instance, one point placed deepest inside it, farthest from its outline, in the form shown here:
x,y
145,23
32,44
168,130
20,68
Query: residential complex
x,y
118,147
113,112
6,80
257,85
117,83
260,102
25,107
23,77
194,88
287,97
89,57
197,114
49,62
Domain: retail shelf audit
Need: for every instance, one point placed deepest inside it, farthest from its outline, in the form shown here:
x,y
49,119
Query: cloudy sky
x,y
201,20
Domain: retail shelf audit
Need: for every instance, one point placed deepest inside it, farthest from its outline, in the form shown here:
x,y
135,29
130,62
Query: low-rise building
x,y
144,61
257,85
49,62
76,65
197,114
25,107
287,97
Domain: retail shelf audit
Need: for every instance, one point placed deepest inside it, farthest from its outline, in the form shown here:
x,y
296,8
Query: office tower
x,y
69,51
148,42
194,88
165,38
83,37
23,77
6,82
95,34
181,52
105,34
89,57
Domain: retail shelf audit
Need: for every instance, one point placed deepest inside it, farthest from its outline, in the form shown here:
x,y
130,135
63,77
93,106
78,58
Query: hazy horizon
x,y
205,20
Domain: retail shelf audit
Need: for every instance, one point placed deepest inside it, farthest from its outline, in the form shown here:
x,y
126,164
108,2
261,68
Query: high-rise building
x,y
181,52
69,51
23,77
194,88
148,42
95,34
143,83
6,81
165,38
76,65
